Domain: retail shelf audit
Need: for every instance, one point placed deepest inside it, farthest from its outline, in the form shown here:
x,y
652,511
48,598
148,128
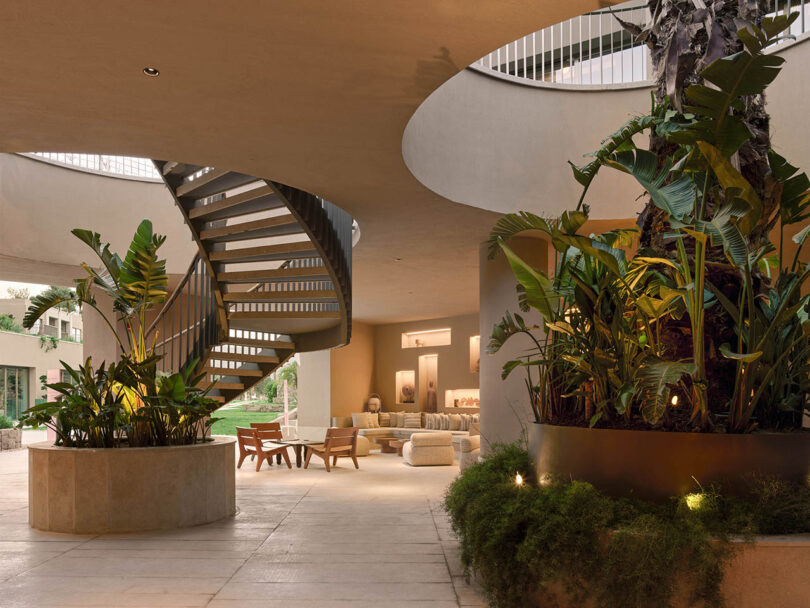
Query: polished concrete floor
x,y
360,539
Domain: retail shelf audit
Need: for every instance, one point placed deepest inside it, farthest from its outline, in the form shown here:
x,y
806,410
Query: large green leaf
x,y
795,200
514,223
656,377
745,73
143,279
613,259
43,302
729,178
539,292
677,198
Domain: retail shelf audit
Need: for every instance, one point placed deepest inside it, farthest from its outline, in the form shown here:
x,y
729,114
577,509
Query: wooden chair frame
x,y
251,444
338,442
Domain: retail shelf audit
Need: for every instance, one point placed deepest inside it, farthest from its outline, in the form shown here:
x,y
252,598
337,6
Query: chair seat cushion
x,y
431,439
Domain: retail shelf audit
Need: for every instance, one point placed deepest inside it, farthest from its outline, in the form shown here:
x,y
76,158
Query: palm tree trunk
x,y
685,36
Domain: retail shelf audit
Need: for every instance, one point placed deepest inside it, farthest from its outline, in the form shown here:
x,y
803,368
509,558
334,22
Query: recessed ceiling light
x,y
149,71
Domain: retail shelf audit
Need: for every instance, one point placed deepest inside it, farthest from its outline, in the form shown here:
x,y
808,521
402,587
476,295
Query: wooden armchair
x,y
251,443
338,442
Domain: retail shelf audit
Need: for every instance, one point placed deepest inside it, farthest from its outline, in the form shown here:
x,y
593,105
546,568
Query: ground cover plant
x,y
525,541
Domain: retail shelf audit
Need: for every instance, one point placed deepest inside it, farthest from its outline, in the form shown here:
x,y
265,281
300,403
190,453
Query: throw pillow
x,y
465,422
397,419
360,420
373,421
412,420
455,422
445,426
385,419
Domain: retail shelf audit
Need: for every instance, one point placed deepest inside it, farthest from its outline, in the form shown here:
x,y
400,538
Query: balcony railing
x,y
594,49
128,167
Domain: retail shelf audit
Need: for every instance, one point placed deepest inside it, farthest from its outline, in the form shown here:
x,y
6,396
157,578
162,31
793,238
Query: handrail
x,y
188,322
121,167
593,50
330,229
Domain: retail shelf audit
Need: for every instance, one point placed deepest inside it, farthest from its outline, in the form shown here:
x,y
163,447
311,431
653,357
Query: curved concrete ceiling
x,y
313,93
486,141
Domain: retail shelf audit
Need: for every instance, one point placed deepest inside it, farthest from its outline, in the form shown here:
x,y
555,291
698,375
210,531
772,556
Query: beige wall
x,y
23,350
491,143
505,403
453,365
40,203
352,371
314,393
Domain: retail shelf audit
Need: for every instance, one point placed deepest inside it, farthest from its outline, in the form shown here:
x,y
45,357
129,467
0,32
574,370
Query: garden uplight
x,y
694,501
519,479
674,400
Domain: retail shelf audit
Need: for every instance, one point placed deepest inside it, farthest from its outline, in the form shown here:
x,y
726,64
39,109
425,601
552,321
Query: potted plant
x,y
157,423
701,330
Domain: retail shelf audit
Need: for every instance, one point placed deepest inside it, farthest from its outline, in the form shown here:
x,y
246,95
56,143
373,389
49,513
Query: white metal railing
x,y
594,49
117,166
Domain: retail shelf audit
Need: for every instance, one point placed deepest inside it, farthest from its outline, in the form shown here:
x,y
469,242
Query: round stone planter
x,y
656,465
92,491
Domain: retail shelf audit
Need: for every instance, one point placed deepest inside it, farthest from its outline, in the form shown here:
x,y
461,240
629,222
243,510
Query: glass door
x,y
14,390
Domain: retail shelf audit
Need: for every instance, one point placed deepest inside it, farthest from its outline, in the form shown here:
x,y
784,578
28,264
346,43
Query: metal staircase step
x,y
284,251
292,295
228,371
214,181
244,203
280,225
244,358
277,344
317,273
183,169
273,314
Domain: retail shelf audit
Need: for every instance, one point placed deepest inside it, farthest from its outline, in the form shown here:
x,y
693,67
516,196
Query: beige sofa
x,y
429,449
399,432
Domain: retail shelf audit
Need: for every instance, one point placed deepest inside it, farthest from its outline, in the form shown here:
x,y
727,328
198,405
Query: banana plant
x,y
134,285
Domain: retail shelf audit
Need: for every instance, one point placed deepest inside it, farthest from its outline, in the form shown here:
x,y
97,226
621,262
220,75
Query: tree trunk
x,y
685,36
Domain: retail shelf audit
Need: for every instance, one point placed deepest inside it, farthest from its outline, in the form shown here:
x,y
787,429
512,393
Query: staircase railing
x,y
187,326
330,230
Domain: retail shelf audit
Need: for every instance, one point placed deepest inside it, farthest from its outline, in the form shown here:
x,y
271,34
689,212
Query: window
x,y
65,330
13,390
77,334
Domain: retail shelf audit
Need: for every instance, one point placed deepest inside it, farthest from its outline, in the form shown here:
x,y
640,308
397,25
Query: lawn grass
x,y
232,417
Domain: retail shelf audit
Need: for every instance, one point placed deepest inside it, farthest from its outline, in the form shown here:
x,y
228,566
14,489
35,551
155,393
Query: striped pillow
x,y
412,420
385,419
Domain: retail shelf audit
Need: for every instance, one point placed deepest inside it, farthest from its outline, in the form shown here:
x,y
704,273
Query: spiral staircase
x,y
272,277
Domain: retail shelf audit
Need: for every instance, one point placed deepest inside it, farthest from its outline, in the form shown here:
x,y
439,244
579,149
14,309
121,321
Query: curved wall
x,y
488,142
40,203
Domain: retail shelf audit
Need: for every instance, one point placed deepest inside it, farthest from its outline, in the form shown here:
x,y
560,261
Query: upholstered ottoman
x,y
363,446
429,449
470,451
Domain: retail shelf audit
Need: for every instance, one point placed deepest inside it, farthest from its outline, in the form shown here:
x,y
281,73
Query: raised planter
x,y
656,465
92,491
10,439
769,572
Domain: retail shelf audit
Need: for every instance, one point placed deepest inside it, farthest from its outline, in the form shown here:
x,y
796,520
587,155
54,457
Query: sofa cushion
x,y
381,432
373,421
431,439
468,444
431,455
360,420
413,420
341,422
384,418
455,422
398,419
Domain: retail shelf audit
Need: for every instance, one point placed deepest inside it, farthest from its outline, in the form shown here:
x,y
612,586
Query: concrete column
x,y
505,406
314,394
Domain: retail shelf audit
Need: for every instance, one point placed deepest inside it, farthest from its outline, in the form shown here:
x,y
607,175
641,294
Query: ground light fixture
x,y
518,479
151,71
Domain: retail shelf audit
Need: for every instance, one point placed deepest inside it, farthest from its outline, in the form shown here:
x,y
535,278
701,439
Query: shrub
x,y
271,390
6,422
566,535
